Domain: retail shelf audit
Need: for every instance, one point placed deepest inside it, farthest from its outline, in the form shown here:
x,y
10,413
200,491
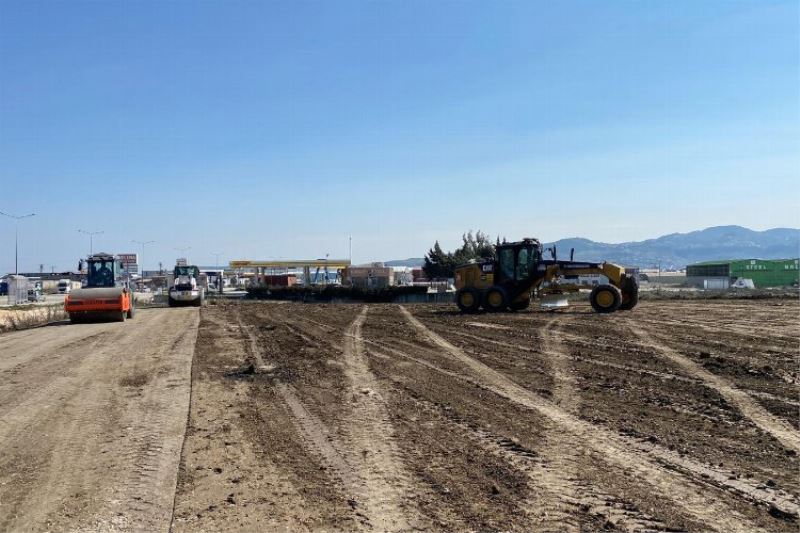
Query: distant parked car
x,y
64,286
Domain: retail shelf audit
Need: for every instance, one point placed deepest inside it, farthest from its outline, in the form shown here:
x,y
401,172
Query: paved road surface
x,y
92,418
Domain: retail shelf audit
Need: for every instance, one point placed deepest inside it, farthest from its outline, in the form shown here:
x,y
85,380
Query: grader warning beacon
x,y
106,295
520,269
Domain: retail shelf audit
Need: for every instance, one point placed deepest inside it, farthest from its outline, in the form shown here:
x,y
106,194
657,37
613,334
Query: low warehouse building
x,y
375,276
763,273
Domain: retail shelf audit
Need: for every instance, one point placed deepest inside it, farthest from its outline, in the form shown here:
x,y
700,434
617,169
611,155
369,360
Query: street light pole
x,y
16,218
91,235
216,258
141,259
184,249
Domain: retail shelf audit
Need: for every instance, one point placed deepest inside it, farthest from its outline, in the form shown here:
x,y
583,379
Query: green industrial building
x,y
763,272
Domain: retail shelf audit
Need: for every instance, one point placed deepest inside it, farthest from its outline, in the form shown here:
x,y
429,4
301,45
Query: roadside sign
x,y
181,262
130,263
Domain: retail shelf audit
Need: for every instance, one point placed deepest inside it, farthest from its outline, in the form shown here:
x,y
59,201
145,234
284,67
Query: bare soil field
x,y
679,415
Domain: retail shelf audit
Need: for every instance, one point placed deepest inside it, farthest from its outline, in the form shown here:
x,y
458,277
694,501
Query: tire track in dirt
x,y
318,436
566,451
561,454
589,360
541,471
751,490
692,498
667,376
746,405
310,427
365,458
537,355
370,436
553,472
759,336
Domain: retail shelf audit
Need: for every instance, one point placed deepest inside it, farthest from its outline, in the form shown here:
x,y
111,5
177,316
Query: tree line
x,y
440,264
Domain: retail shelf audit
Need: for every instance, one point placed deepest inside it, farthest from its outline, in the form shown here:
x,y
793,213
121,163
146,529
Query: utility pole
x,y
141,258
351,250
216,258
659,276
16,218
91,235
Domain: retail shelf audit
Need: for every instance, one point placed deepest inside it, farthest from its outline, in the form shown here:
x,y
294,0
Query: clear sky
x,y
277,129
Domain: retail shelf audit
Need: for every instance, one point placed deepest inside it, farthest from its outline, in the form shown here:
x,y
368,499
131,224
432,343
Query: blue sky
x,y
278,129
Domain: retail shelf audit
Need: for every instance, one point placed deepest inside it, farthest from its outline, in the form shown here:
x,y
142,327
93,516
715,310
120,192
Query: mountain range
x,y
676,250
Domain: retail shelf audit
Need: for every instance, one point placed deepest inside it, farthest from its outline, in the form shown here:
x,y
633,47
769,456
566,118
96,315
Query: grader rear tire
x,y
495,299
468,300
605,298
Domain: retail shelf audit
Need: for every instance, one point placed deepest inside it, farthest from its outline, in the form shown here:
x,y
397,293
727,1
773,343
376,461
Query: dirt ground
x,y
676,416
92,419
679,415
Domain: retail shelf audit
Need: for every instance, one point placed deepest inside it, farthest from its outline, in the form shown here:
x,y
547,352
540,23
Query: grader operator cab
x,y
520,269
106,294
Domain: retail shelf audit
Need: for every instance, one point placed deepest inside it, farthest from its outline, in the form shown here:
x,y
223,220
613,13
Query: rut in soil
x,y
364,457
746,405
694,498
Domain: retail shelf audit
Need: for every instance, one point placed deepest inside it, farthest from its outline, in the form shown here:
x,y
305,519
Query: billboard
x,y
130,263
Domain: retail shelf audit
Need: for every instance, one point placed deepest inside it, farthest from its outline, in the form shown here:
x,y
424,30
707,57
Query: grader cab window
x,y
507,263
522,263
526,261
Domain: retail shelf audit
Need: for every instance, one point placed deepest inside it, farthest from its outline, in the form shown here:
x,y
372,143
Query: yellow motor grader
x,y
508,282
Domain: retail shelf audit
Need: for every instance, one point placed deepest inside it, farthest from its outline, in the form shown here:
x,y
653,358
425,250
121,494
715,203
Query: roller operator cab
x,y
520,270
106,293
186,288
64,286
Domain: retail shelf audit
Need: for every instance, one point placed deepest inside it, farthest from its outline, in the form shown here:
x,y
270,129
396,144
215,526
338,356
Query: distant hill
x,y
677,250
410,262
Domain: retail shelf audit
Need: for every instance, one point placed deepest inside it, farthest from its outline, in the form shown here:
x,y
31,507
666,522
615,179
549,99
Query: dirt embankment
x,y
25,317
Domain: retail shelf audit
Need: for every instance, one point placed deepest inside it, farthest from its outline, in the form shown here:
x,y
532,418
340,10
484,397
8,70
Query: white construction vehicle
x,y
186,287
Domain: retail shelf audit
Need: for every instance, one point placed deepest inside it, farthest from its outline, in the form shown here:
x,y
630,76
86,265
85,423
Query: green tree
x,y
474,247
435,262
